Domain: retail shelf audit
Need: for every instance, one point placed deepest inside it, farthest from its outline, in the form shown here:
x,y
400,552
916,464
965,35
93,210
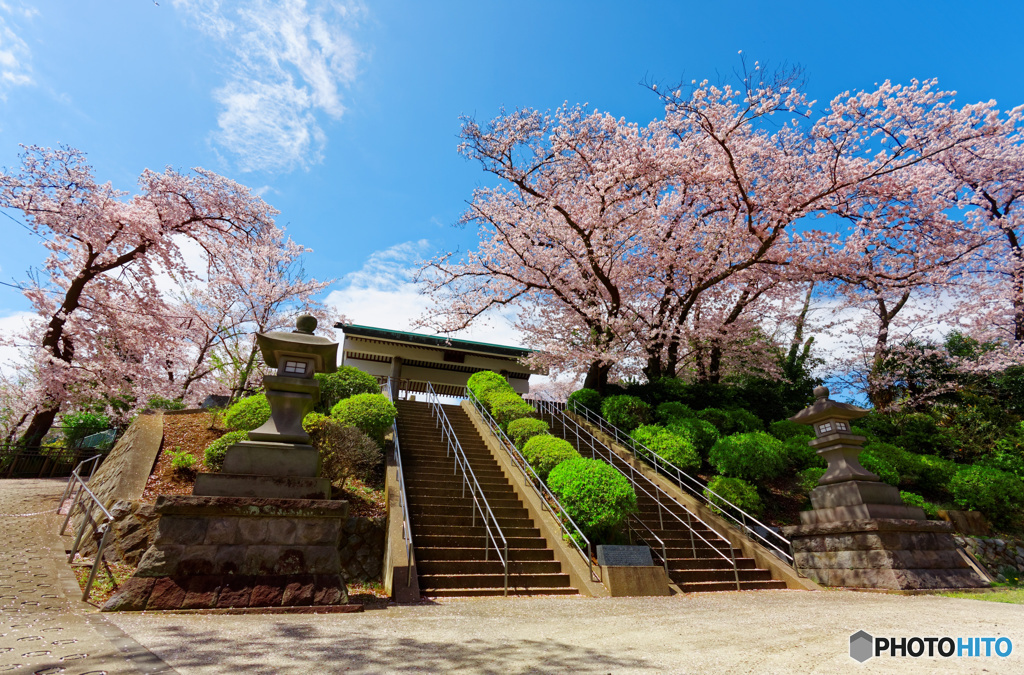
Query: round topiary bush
x,y
674,448
544,453
800,455
588,398
625,412
213,456
785,430
345,451
248,413
341,384
880,467
744,421
596,496
912,499
673,411
703,435
522,430
997,494
508,406
736,490
809,477
718,418
754,456
373,414
486,382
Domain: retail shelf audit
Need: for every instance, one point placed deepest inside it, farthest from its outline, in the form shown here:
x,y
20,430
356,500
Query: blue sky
x,y
346,116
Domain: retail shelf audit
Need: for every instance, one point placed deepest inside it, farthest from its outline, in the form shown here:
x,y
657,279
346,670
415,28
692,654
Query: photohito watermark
x,y
864,646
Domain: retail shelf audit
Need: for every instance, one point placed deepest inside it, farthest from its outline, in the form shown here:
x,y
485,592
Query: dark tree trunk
x,y
597,377
40,425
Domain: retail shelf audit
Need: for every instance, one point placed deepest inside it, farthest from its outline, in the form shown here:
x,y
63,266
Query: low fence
x,y
54,458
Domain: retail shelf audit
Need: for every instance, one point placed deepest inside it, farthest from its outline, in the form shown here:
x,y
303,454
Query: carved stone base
x,y
882,553
239,552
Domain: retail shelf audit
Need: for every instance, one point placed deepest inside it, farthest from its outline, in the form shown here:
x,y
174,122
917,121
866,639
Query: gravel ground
x,y
754,632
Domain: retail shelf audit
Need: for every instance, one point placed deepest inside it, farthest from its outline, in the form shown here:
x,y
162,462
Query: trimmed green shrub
x,y
77,426
588,398
745,421
595,495
927,474
486,382
880,467
346,381
213,456
997,494
345,451
161,403
702,434
809,477
912,499
248,413
785,430
799,455
508,406
720,419
673,411
522,430
373,414
625,412
735,490
675,448
544,453
754,456
182,462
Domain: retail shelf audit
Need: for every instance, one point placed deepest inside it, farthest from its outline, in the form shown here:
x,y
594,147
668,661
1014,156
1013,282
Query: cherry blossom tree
x,y
99,309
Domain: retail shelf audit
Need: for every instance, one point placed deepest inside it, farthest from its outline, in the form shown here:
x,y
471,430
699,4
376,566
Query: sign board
x,y
624,556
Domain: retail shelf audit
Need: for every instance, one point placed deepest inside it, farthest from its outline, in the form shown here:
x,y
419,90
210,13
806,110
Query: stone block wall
x,y
999,556
131,532
362,549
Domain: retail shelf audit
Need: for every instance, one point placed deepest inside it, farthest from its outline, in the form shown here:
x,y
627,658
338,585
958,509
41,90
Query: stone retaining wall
x,y
361,547
996,555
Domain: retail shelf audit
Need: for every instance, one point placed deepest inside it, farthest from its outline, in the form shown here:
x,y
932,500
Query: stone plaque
x,y
624,556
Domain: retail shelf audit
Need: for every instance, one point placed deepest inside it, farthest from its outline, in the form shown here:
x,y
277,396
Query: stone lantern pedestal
x,y
263,532
859,533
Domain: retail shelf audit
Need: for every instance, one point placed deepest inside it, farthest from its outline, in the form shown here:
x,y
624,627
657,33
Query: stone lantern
x,y
277,459
859,533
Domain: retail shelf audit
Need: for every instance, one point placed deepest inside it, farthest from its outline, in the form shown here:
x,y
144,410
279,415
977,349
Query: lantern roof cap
x,y
299,341
825,408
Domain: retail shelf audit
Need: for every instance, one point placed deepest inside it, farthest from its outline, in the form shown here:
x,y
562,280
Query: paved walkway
x,y
44,627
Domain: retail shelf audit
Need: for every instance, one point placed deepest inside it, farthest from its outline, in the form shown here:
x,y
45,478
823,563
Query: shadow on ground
x,y
318,651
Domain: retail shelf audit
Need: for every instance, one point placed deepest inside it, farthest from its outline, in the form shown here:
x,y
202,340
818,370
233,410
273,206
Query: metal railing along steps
x,y
696,556
473,535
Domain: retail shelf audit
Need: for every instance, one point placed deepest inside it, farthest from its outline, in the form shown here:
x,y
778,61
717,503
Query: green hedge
x,y
799,455
925,474
341,384
809,477
522,430
997,494
673,411
912,499
754,456
508,406
373,414
736,490
625,412
703,435
880,467
248,413
544,453
785,430
672,447
486,382
595,495
213,456
588,398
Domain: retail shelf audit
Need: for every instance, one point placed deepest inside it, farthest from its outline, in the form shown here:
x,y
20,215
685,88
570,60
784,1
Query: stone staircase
x,y
694,565
450,553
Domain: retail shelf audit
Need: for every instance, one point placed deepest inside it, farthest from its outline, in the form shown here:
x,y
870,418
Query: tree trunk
x,y
243,377
597,377
40,425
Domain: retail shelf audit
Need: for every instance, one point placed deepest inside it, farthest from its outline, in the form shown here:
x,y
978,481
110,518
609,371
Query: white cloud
x,y
15,56
289,62
11,326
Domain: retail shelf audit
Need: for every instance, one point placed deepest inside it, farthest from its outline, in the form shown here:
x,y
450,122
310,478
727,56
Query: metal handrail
x,y
658,494
632,523
76,481
403,500
454,448
778,544
547,498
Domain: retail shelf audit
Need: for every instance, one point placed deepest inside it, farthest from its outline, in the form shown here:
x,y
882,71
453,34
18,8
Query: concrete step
x,y
461,540
719,586
491,566
484,592
467,510
514,554
701,576
421,530
519,581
